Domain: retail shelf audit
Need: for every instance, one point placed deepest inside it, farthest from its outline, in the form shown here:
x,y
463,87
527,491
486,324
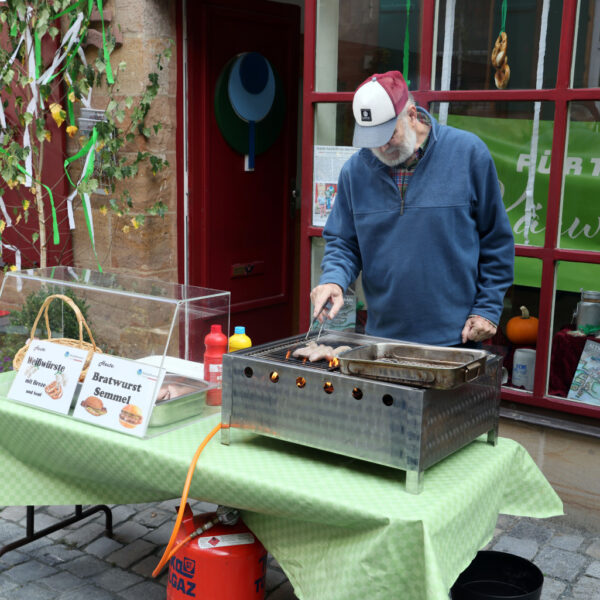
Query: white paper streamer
x,y
447,57
17,261
6,66
7,218
530,217
70,209
32,106
28,158
86,200
87,102
70,38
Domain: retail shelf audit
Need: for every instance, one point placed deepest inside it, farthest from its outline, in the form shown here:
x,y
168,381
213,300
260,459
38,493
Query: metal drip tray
x,y
422,366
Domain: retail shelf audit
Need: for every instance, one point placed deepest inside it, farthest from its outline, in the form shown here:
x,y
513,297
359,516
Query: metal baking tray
x,y
418,365
179,398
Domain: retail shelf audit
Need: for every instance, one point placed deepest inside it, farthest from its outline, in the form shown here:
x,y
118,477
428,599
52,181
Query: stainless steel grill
x,y
400,426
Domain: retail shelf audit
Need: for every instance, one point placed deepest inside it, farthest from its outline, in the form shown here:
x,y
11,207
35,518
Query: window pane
x,y
514,333
580,219
317,250
576,320
357,38
463,60
507,130
587,49
334,124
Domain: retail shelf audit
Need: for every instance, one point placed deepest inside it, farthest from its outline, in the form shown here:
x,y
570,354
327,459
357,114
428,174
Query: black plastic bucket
x,y
498,576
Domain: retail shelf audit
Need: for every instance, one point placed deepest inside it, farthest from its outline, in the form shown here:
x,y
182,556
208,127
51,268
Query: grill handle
x,y
472,371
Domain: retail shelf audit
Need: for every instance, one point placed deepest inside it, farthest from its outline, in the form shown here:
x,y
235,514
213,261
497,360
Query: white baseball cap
x,y
376,105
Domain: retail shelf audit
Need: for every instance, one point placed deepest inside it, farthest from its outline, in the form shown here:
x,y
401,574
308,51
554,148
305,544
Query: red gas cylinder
x,y
226,562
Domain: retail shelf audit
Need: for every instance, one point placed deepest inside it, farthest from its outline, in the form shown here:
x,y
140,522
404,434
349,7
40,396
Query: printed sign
x,y
48,376
328,162
509,142
118,394
585,386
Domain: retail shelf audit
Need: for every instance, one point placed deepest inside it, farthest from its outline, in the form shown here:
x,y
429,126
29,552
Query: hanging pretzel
x,y
502,76
499,51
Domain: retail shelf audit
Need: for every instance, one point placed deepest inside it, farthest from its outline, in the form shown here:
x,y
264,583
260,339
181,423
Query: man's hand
x,y
477,329
323,293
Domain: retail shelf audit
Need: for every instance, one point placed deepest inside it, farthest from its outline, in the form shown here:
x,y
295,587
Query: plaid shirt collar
x,y
410,163
403,172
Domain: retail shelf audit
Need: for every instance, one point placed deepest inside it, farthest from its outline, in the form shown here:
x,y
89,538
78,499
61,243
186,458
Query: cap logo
x,y
365,114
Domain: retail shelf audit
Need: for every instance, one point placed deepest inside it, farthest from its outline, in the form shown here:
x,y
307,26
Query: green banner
x,y
509,141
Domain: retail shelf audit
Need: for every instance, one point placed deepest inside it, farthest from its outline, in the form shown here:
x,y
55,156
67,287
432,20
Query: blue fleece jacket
x,y
447,255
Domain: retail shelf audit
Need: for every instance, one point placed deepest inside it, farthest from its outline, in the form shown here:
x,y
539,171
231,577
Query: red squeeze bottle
x,y
216,345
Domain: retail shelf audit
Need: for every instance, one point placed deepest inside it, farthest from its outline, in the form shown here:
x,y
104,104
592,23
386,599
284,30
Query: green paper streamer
x,y
109,74
407,45
70,108
55,235
72,8
38,54
90,167
504,9
89,228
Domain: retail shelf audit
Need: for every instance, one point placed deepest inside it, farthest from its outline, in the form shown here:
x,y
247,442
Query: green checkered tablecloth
x,y
341,529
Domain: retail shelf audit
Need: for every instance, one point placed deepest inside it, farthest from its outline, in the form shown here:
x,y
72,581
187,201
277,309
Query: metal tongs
x,y
313,322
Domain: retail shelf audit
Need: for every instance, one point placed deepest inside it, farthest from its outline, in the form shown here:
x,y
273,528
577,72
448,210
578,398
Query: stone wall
x,y
147,27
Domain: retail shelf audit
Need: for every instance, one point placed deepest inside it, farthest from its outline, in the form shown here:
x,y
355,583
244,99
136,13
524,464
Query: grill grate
x,y
277,351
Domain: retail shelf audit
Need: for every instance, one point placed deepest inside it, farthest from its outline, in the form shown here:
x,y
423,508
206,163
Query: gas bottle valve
x,y
228,515
225,515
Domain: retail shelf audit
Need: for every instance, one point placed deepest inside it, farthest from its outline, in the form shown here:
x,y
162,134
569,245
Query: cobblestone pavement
x,y
81,563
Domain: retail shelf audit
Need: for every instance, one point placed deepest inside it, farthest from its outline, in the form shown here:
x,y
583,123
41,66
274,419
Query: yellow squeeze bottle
x,y
239,339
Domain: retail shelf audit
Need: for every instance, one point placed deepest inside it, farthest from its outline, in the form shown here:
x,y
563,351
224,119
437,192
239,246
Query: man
x,y
419,211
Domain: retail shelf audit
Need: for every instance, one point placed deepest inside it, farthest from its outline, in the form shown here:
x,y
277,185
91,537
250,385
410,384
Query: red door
x,y
241,233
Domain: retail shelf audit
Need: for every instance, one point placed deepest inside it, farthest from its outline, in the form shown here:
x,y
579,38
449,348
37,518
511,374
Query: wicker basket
x,y
90,347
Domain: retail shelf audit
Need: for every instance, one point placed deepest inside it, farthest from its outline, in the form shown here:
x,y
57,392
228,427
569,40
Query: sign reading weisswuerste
x,y
48,376
118,394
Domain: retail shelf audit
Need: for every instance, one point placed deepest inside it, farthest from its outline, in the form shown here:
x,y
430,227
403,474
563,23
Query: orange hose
x,y
186,488
181,543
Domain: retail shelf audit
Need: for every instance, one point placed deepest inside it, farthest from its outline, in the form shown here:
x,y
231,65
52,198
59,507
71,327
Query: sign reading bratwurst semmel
x,y
118,393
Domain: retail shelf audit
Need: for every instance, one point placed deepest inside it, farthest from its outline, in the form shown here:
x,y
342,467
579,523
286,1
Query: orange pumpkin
x,y
522,329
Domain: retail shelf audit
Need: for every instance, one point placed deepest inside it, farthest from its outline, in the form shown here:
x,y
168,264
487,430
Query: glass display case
x,y
150,332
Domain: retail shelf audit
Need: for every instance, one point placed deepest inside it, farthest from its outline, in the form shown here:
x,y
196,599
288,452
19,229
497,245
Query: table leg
x,y
414,482
80,514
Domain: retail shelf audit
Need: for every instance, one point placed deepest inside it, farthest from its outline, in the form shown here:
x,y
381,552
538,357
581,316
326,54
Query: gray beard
x,y
392,157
